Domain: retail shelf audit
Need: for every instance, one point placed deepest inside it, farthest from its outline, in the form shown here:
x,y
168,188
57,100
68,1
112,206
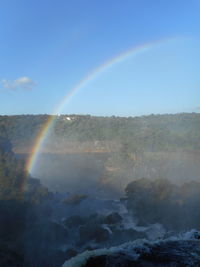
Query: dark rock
x,y
74,221
74,199
94,232
96,218
113,218
166,254
196,235
106,261
70,253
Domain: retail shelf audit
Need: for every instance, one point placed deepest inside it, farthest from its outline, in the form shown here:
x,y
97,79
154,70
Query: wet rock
x,y
94,232
196,235
113,218
71,252
74,221
164,254
96,218
74,199
108,261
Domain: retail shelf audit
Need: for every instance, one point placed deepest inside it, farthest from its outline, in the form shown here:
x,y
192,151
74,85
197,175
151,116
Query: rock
x,y
74,199
71,252
164,254
94,232
197,235
74,221
113,218
108,261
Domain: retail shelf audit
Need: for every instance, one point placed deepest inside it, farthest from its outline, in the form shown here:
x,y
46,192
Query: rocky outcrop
x,y
74,221
93,232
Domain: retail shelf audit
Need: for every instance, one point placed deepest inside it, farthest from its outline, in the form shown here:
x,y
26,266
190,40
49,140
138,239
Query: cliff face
x,y
59,146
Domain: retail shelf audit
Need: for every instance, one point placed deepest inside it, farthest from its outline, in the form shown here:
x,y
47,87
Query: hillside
x,y
76,133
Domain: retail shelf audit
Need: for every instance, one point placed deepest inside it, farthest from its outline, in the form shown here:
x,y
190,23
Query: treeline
x,y
153,132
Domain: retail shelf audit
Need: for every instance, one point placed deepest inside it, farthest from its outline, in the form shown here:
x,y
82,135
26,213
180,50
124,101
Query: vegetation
x,y
153,132
12,172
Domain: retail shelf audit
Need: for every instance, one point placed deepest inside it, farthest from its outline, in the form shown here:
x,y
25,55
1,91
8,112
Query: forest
x,y
153,132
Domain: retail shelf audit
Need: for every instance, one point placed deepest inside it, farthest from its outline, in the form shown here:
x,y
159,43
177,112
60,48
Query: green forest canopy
x,y
153,132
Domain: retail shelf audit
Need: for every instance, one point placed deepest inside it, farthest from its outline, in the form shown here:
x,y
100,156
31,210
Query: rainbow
x,y
43,135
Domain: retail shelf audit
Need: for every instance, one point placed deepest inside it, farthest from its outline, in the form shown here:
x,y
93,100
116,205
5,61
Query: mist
x,y
126,180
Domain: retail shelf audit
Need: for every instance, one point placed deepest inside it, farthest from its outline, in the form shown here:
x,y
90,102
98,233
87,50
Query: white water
x,y
130,248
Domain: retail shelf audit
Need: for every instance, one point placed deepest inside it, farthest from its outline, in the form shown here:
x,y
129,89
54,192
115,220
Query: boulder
x,y
74,221
74,199
113,218
71,252
94,232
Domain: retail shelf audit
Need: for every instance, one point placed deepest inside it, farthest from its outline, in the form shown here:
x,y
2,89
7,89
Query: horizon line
x,y
93,115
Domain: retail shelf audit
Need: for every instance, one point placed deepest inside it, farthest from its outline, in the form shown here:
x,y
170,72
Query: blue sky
x,y
47,47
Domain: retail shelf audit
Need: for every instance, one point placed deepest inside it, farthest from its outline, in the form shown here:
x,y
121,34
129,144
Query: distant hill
x,y
75,133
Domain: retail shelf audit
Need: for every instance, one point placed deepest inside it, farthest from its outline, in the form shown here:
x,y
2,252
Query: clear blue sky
x,y
47,46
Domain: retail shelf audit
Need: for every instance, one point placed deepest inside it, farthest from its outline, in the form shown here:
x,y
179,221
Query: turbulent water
x,y
102,231
126,244
181,250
